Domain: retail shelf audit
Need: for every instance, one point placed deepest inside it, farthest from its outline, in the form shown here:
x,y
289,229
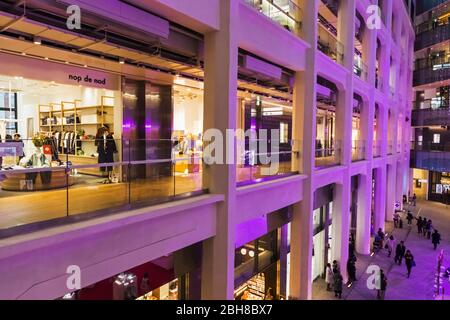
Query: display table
x,y
14,180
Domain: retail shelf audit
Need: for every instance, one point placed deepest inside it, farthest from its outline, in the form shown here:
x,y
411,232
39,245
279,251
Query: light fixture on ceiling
x,y
243,251
24,54
46,58
122,61
37,40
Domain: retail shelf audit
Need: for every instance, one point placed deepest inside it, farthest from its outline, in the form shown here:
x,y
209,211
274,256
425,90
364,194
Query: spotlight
x,y
37,40
121,61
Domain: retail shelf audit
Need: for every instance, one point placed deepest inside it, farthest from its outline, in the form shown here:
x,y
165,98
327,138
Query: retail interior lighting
x,y
122,61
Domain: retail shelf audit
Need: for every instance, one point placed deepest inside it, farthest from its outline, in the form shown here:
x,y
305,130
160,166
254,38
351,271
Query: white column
x,y
221,52
340,227
304,132
380,198
364,213
390,191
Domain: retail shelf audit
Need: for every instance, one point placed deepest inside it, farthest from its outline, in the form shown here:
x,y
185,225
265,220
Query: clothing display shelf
x,y
56,115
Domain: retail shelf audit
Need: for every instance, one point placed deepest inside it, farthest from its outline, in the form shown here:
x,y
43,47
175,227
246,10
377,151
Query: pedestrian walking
x,y
414,199
383,285
419,225
399,252
376,243
409,261
396,218
435,239
424,226
390,245
351,270
338,282
329,276
409,217
335,267
381,235
429,227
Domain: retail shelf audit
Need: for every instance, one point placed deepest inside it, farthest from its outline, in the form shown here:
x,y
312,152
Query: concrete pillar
x,y
304,134
346,31
390,191
364,213
369,53
380,198
340,228
221,52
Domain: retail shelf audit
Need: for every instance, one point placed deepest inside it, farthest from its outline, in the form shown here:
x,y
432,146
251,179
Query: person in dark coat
x,y
419,225
435,238
409,261
383,286
409,217
338,282
399,252
351,270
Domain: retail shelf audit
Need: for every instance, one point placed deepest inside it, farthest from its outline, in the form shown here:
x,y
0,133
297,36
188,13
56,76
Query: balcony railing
x,y
430,117
429,160
360,69
284,12
431,33
328,156
260,165
376,149
430,146
358,150
437,103
329,45
46,184
431,70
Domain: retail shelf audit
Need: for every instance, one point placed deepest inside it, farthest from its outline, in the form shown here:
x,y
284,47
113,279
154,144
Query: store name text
x,y
87,79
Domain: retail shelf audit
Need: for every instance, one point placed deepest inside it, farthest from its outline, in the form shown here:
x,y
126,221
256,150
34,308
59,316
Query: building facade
x,y
107,194
431,118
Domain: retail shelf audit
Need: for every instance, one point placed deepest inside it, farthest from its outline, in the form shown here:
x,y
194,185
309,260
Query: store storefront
x,y
438,186
86,134
322,230
261,265
55,116
176,276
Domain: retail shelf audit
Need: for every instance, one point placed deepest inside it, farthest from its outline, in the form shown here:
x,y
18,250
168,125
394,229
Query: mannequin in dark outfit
x,y
106,147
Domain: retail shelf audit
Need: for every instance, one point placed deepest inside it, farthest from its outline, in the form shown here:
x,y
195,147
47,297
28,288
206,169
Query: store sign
x,y
30,68
86,80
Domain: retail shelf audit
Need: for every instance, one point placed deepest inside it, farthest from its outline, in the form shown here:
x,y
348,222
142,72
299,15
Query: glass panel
x,y
97,187
188,167
33,188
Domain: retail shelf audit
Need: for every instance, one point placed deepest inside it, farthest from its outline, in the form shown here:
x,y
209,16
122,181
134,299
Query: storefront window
x,y
79,135
256,269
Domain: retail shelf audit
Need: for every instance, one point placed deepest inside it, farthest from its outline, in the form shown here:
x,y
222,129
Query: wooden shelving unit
x,y
100,115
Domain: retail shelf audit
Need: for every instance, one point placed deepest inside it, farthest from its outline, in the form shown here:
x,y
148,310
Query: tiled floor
x,y
421,284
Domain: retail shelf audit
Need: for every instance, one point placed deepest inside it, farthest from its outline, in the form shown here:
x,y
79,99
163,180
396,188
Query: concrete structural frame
x,y
34,265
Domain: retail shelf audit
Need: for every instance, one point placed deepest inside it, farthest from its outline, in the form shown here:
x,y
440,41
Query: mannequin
x,y
106,147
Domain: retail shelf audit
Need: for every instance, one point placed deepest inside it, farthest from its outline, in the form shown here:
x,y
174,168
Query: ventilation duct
x,y
119,12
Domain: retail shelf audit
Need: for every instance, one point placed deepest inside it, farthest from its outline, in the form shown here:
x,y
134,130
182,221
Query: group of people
x,y
333,278
425,228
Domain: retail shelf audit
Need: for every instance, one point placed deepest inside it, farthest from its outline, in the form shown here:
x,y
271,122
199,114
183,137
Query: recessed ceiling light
x,y
46,58
121,61
67,62
85,65
24,54
37,40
